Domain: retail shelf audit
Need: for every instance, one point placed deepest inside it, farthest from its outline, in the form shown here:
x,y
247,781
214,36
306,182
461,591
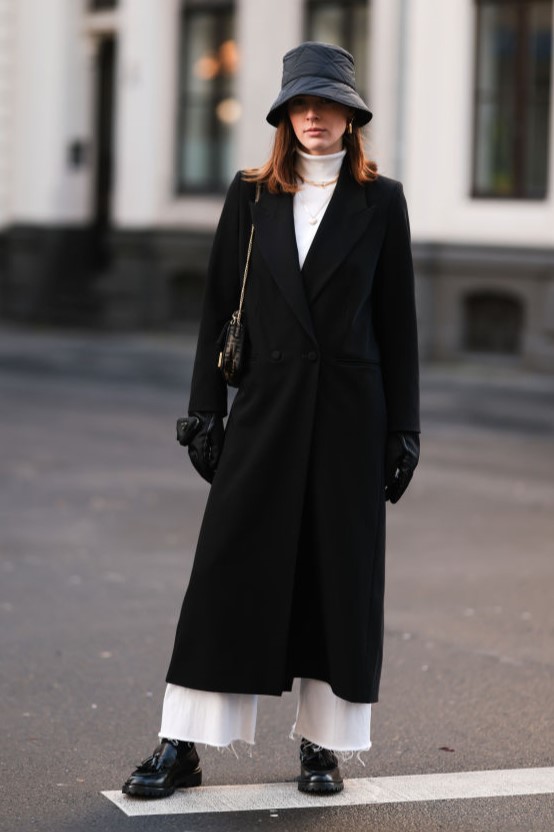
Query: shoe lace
x,y
325,758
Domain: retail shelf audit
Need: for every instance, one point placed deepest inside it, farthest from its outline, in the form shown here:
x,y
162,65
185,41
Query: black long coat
x,y
288,576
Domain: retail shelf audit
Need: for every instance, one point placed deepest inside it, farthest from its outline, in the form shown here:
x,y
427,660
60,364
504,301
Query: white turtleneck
x,y
310,202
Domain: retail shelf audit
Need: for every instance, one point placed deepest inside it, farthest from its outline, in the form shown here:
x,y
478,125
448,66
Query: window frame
x,y
521,89
348,20
217,186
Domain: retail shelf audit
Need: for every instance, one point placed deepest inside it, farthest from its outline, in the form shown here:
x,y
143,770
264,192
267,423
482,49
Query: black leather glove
x,y
203,434
401,458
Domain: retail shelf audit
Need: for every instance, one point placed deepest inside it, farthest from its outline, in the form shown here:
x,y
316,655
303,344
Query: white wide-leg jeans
x,y
221,718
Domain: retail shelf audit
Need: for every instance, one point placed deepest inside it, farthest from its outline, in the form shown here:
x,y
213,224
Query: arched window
x,y
493,322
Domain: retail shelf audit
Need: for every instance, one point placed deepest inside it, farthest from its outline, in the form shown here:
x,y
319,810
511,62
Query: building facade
x,y
123,121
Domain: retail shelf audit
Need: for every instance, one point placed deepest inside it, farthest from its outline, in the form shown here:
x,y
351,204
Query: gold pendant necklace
x,y
313,219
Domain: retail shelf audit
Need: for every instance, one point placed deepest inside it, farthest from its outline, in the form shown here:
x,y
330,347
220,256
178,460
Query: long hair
x,y
278,174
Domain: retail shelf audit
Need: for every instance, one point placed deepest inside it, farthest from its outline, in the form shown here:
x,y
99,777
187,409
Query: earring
x,y
349,128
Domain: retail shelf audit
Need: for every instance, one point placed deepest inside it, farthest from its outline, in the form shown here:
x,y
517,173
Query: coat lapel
x,y
345,220
275,238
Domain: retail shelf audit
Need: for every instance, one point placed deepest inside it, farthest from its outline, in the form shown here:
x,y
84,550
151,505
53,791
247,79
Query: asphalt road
x,y
100,510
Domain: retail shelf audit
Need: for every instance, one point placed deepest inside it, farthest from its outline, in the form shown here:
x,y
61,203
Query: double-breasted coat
x,y
289,570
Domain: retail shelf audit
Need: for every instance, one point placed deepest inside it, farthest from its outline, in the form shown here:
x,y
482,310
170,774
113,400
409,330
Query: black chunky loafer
x,y
173,765
319,769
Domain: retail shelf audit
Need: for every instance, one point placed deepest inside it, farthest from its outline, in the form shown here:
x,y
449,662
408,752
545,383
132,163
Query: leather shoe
x,y
173,765
319,770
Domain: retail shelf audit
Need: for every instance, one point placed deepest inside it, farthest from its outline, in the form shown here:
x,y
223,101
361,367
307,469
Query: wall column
x,y
266,30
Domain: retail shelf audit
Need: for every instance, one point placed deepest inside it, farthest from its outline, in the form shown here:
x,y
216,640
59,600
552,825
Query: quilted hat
x,y
321,69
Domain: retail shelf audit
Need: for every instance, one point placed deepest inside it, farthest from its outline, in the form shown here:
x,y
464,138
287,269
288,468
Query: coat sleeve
x,y
220,299
395,319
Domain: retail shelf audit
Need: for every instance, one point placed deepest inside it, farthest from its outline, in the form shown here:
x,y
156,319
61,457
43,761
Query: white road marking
x,y
357,792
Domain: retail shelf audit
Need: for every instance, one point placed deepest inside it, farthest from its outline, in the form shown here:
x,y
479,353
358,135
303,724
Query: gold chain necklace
x,y
323,184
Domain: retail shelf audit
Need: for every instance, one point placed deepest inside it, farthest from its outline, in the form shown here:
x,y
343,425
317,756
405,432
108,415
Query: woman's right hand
x,y
203,434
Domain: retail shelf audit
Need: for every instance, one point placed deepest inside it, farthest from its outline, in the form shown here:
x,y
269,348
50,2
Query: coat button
x,y
312,356
276,354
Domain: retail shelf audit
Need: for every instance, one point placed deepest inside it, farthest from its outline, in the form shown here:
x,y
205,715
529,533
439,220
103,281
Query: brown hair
x,y
278,173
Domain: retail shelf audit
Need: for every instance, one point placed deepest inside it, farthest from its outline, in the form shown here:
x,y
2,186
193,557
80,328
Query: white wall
x,y
145,107
7,48
50,75
388,62
266,30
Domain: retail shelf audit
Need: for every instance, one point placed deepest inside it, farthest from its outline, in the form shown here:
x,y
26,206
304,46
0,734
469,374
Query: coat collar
x,y
275,238
343,223
346,218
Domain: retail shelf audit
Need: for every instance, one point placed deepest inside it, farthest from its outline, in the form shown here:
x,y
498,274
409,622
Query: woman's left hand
x,y
401,458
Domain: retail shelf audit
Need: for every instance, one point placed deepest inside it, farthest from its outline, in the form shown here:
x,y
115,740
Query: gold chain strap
x,y
237,315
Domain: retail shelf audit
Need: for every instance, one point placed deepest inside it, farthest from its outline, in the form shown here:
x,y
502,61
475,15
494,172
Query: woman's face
x,y
318,123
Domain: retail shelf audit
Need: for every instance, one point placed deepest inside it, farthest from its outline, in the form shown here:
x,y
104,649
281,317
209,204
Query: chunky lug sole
x,y
185,782
320,787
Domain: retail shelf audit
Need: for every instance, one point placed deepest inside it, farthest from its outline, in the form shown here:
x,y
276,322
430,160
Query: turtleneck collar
x,y
319,168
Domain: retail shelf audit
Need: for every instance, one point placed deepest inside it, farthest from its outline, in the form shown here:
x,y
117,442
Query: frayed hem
x,y
230,746
344,755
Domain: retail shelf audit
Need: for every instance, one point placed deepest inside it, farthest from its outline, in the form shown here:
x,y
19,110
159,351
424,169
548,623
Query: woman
x,y
288,576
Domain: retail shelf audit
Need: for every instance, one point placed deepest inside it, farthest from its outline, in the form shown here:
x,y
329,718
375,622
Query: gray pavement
x,y
100,511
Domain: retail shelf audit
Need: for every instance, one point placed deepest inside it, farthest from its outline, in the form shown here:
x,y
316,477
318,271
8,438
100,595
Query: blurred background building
x,y
123,121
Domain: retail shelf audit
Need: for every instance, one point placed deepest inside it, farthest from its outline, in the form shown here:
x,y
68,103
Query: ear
x,y
349,115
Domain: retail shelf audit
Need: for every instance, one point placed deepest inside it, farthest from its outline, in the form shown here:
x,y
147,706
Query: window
x,y
208,108
512,98
101,5
493,323
344,24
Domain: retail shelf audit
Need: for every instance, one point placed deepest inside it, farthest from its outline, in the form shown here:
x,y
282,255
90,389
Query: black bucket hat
x,y
321,69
